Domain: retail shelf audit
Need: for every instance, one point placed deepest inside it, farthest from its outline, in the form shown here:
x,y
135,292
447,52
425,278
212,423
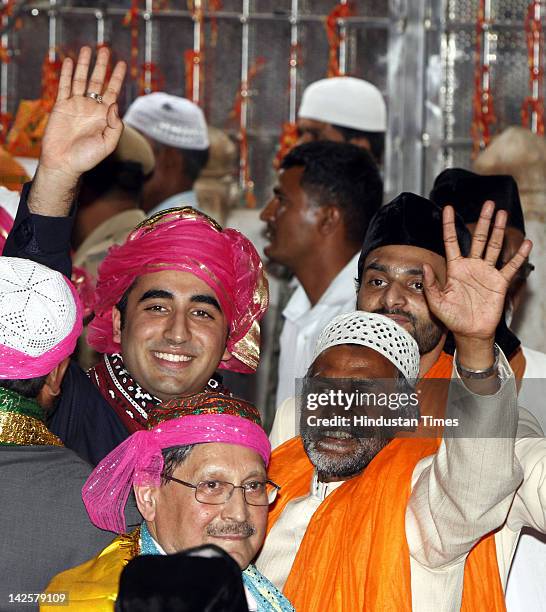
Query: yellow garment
x,y
94,585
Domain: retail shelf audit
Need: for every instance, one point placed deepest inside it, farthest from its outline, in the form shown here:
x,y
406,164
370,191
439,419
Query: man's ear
x,y
116,324
145,497
330,220
52,386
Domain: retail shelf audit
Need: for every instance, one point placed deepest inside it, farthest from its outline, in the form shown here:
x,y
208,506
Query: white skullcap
x,y
345,101
376,332
40,318
170,120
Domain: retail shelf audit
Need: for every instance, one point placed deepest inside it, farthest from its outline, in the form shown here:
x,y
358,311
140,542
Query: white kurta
x,y
480,472
526,589
303,324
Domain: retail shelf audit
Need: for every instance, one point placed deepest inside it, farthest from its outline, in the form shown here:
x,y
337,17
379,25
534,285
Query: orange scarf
x,y
354,555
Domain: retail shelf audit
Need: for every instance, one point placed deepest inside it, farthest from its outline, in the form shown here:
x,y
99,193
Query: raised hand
x,y
471,303
81,132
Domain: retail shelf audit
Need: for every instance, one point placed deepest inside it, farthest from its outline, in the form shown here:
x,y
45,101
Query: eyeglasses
x,y
216,492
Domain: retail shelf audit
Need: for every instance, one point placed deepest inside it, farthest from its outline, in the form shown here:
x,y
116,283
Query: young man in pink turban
x,y
179,299
199,477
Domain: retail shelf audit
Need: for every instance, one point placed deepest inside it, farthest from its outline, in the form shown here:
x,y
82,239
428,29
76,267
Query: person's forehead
x,y
222,459
404,259
352,361
173,281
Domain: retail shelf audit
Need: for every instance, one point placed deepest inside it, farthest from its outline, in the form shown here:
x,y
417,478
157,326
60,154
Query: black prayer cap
x,y
410,220
467,191
202,578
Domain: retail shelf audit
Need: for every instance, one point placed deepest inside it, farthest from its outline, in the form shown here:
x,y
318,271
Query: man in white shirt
x,y
344,109
325,196
177,131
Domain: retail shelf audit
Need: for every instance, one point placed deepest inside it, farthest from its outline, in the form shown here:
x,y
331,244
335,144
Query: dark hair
x,y
341,174
194,162
28,388
376,140
112,175
172,458
122,304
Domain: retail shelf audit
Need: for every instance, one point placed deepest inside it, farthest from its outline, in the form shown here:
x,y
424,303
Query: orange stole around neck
x,y
354,555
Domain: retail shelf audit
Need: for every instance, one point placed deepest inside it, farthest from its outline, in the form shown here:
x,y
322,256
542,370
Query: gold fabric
x,y
25,431
93,585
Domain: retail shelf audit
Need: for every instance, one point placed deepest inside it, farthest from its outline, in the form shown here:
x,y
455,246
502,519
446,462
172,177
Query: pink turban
x,y
6,223
185,239
138,460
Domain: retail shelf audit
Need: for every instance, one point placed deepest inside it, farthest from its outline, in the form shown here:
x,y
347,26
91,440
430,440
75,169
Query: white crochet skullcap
x,y
40,318
170,120
345,101
376,332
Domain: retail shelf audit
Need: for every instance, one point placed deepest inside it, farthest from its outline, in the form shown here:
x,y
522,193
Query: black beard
x,y
427,335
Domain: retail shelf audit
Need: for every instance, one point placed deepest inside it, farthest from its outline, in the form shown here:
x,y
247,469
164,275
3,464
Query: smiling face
x,y
338,454
178,521
174,334
392,285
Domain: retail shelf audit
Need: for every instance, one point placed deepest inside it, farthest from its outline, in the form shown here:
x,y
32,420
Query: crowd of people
x,y
134,477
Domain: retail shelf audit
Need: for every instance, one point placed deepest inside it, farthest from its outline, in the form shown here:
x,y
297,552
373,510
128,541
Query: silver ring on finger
x,y
97,97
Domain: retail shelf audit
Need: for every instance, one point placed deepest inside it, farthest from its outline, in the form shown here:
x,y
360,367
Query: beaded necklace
x,y
22,422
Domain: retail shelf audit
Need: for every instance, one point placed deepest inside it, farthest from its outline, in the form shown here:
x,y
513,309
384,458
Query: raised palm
x,y
472,300
81,132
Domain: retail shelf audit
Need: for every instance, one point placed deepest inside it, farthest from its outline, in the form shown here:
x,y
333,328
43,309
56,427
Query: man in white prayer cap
x,y
177,130
368,522
344,109
45,528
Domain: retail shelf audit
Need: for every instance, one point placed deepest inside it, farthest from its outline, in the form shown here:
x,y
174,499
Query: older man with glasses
x,y
199,477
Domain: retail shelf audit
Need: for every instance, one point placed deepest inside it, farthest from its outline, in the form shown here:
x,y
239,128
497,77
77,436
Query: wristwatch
x,y
479,374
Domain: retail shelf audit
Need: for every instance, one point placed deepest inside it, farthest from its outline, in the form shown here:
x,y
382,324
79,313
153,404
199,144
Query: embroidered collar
x,y
127,398
22,422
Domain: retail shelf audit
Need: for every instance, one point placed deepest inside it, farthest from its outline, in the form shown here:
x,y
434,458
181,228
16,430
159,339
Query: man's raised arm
x,y
83,129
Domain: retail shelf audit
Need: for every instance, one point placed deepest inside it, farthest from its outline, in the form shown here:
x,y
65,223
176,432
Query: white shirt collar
x,y
321,490
340,290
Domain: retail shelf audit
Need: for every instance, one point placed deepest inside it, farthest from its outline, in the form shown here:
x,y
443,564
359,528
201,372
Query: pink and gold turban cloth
x,y
187,240
199,419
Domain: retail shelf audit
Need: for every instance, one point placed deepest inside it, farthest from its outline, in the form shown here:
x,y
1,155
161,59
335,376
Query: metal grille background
x,y
269,37
420,54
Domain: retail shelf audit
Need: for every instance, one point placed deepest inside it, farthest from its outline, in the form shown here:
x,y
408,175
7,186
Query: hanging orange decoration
x,y
191,60
194,58
236,114
51,70
131,20
27,131
288,140
213,7
289,134
482,105
340,11
5,118
532,110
